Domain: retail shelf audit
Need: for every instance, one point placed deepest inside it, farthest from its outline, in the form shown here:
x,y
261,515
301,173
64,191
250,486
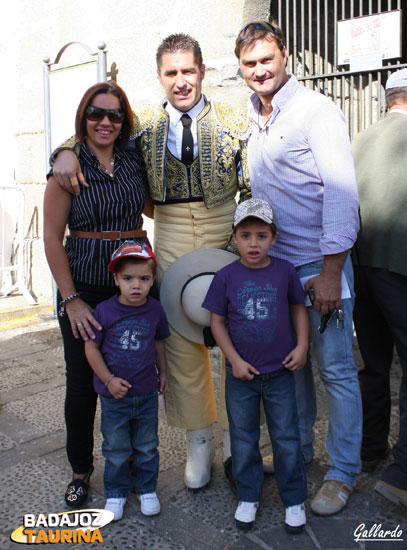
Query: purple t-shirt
x,y
127,342
256,304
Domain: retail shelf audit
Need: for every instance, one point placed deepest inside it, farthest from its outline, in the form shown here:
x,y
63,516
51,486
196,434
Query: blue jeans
x,y
129,428
277,392
334,355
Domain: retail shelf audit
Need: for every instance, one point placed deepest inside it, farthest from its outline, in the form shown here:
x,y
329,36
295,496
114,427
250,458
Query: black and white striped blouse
x,y
108,204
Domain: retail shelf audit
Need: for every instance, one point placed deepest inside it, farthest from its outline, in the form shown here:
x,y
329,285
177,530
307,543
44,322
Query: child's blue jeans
x,y
129,428
277,392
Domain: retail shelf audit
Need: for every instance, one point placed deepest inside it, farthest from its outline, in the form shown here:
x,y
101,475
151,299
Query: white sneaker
x,y
200,453
116,506
295,518
246,514
149,504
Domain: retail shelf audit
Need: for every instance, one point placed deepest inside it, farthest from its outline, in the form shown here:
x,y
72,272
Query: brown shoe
x,y
331,498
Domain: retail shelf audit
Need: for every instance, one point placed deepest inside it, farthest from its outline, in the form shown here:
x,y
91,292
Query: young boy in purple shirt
x,y
128,359
262,300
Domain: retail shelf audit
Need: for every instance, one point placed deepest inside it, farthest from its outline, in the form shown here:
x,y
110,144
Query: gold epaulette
x,y
143,119
233,120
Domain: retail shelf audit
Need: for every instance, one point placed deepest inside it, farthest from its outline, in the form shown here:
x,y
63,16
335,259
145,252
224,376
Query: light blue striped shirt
x,y
301,162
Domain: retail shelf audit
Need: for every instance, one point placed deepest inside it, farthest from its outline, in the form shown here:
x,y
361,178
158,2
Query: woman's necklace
x,y
108,170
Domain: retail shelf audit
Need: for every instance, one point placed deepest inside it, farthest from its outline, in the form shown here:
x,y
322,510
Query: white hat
x,y
184,287
398,79
254,208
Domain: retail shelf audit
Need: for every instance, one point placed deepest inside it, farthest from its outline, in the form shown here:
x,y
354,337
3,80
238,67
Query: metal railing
x,y
12,242
311,31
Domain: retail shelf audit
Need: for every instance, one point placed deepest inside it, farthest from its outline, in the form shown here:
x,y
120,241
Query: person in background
x,y
380,263
107,212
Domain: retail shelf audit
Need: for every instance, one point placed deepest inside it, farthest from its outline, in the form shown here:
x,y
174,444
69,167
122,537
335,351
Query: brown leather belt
x,y
109,235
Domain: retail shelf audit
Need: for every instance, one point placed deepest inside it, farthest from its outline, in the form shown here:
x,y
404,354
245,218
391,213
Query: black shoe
x,y
227,465
77,491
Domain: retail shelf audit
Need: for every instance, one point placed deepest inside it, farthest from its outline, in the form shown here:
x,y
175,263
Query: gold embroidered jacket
x,y
220,169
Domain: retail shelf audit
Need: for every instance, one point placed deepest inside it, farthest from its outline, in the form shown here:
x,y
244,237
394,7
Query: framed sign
x,y
364,42
67,86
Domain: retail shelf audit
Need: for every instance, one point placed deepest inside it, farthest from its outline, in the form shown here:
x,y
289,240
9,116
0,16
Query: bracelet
x,y
108,380
63,302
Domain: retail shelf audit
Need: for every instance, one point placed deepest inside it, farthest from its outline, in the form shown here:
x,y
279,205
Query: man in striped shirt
x,y
300,161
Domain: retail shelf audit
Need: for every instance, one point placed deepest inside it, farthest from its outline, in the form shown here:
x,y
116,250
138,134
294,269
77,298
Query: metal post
x,y
102,63
294,50
303,60
47,111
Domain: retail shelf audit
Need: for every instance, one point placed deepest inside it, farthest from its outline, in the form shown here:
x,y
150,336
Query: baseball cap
x,y
131,249
254,208
398,79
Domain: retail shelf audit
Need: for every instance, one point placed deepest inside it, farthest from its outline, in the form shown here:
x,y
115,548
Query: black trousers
x,y
380,317
81,398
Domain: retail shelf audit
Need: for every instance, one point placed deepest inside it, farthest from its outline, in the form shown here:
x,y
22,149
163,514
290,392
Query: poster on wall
x,y
364,42
67,86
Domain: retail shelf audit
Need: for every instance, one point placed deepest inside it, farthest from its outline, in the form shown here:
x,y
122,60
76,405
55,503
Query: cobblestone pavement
x,y
34,470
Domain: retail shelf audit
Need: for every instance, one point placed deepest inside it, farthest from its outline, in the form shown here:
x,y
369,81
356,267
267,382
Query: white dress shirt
x,y
175,130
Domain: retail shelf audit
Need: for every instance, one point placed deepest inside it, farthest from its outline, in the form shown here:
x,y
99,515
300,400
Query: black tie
x,y
187,155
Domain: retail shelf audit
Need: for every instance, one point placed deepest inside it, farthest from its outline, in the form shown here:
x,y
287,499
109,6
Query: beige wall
x,y
132,29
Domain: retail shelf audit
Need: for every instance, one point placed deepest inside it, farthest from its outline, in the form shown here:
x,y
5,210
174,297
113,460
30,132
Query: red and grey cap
x,y
131,249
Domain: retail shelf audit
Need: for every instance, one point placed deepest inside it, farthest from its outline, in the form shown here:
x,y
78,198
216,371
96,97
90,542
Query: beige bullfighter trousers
x,y
178,229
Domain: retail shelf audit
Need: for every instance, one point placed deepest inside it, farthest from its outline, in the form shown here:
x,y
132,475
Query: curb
x,y
22,316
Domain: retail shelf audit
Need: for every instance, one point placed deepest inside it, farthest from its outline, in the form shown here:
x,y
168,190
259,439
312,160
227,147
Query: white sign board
x,y
363,42
67,87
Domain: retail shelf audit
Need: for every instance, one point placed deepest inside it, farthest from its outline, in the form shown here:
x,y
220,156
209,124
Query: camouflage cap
x,y
254,208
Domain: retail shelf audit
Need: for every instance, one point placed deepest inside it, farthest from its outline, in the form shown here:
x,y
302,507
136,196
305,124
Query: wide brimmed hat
x,y
184,287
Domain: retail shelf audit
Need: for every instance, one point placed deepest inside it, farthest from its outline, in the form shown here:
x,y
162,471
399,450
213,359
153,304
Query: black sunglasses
x,y
260,25
97,113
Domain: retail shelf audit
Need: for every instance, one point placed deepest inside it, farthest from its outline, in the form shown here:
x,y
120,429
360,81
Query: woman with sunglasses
x,y
107,212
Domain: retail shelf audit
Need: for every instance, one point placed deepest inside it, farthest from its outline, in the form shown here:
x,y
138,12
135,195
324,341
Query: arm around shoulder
x,y
66,168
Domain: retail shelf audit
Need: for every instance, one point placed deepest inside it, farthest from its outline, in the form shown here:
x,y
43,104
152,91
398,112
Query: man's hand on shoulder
x,y
67,172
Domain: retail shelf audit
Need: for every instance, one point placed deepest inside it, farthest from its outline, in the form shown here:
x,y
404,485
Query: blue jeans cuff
x,y
348,480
